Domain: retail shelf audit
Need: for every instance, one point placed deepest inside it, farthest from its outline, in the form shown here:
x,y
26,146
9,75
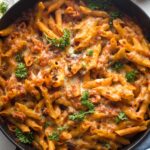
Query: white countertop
x,y
7,145
144,4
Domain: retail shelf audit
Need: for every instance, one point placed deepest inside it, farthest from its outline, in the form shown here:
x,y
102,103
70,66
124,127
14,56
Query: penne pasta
x,y
44,29
58,16
33,125
98,82
7,31
74,74
89,12
55,5
27,111
132,130
56,29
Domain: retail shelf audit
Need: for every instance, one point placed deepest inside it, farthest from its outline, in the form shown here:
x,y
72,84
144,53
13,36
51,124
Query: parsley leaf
x,y
54,136
62,128
85,100
21,71
47,124
114,15
88,104
25,138
117,66
3,7
131,76
107,145
85,96
65,40
90,111
80,116
96,4
62,42
121,117
90,52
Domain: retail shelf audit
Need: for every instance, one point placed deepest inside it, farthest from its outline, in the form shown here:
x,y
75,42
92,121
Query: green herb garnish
x,y
3,7
88,104
47,124
85,100
84,65
62,128
85,96
117,66
80,116
131,76
121,117
26,138
107,145
114,15
90,52
54,136
21,71
62,42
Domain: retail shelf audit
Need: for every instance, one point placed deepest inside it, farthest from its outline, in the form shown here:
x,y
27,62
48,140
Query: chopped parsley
x,y
21,71
62,128
85,96
117,66
3,7
96,4
47,124
88,104
62,42
90,52
26,138
54,136
114,15
107,145
80,116
85,100
121,117
131,76
77,116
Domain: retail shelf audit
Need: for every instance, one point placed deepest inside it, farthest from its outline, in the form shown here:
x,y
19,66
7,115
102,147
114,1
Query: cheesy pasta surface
x,y
74,75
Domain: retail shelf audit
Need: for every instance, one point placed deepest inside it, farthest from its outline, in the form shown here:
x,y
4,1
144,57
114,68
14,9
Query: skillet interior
x,y
138,15
125,5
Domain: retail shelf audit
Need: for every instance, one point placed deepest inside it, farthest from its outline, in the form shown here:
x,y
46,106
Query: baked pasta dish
x,y
74,75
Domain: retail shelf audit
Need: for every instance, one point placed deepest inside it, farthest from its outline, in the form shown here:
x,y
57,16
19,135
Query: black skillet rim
x,y
130,147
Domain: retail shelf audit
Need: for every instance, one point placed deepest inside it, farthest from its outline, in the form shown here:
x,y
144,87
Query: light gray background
x,y
4,143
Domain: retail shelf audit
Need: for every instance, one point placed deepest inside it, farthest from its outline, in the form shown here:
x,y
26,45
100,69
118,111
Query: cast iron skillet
x,y
125,5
